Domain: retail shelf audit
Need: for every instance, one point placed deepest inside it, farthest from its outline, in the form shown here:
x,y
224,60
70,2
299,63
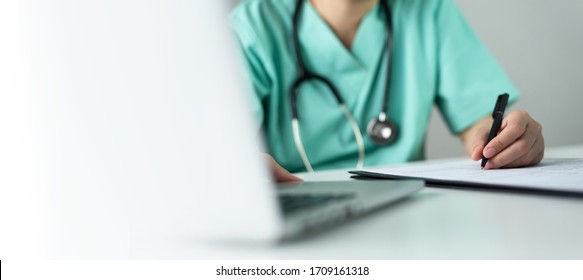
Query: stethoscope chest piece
x,y
382,131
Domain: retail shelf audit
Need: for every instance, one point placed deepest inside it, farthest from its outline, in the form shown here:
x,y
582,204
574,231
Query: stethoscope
x,y
381,130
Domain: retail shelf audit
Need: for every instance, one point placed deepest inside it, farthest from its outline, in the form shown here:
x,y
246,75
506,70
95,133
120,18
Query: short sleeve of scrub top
x,y
436,59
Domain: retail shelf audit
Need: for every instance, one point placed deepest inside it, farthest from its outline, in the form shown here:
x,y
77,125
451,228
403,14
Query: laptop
x,y
124,120
242,203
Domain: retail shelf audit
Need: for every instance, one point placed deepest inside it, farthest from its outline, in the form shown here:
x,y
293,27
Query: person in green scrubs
x,y
436,59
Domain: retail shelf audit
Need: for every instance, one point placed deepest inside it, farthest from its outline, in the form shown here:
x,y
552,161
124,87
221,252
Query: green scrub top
x,y
437,59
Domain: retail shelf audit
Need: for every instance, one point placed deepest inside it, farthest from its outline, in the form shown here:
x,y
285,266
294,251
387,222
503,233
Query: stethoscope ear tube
x,y
300,145
355,130
305,78
295,122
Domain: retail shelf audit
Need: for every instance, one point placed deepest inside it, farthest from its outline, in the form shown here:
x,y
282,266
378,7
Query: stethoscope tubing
x,y
305,75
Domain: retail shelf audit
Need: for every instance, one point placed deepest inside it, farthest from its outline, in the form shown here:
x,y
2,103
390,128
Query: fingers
x,y
520,153
280,174
474,138
520,143
524,161
513,127
479,142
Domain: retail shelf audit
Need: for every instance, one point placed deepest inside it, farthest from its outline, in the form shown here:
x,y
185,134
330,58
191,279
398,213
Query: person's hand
x,y
519,142
279,173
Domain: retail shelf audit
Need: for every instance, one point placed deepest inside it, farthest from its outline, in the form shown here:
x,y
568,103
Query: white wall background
x,y
540,45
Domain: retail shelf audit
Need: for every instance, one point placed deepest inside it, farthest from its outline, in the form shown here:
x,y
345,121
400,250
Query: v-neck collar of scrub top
x,y
323,50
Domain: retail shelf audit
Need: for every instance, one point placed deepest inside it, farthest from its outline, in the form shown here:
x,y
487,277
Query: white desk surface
x,y
436,223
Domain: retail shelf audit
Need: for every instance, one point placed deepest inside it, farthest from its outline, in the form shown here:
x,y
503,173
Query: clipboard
x,y
567,176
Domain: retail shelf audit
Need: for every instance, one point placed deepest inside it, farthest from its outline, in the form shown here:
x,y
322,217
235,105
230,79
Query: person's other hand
x,y
280,174
519,142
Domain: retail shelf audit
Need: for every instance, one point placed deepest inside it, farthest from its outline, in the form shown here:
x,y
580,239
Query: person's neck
x,y
344,16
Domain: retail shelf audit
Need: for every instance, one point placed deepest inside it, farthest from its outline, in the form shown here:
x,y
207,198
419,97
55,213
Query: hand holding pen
x,y
512,141
497,116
